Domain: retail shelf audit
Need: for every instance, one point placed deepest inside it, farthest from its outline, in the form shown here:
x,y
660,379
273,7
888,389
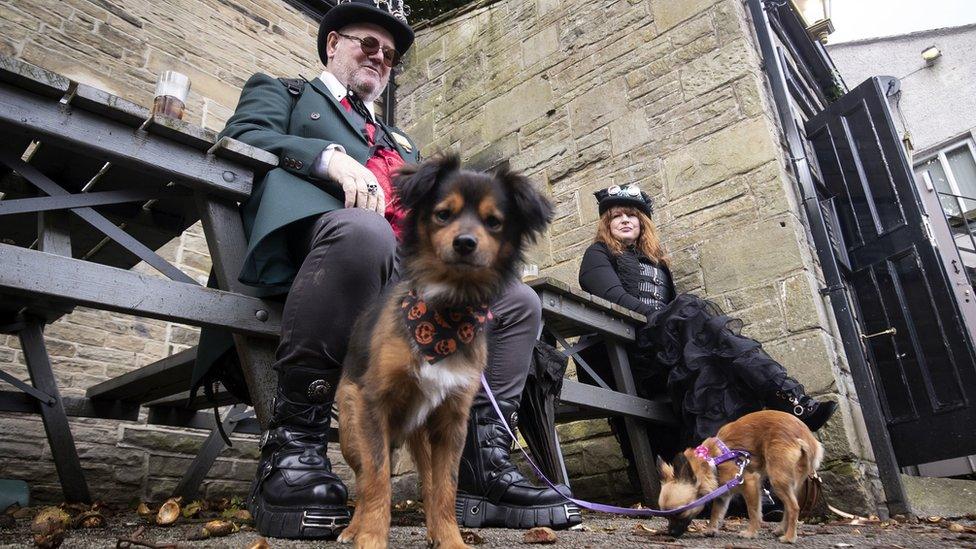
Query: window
x,y
952,172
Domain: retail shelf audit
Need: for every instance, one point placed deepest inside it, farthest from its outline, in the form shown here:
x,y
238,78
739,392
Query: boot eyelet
x,y
798,410
475,510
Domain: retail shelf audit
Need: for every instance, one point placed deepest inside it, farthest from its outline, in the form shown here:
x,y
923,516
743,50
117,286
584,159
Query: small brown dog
x,y
782,448
416,355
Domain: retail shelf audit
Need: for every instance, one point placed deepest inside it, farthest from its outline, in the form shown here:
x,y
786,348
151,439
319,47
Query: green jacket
x,y
296,130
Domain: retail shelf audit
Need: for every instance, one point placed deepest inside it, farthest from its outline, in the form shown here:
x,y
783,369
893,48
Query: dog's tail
x,y
812,453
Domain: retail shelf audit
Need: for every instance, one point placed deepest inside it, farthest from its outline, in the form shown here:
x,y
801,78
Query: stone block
x,y
602,455
598,107
943,497
808,358
718,67
845,487
749,256
521,104
541,47
629,132
799,302
729,152
668,13
580,430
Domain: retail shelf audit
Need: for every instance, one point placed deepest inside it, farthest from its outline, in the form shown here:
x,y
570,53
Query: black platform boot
x,y
492,492
295,494
789,397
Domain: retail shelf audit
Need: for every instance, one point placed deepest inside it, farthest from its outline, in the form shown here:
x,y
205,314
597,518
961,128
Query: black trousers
x,y
349,257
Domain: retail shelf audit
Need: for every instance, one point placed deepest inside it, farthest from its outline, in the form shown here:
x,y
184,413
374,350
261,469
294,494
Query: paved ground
x,y
598,532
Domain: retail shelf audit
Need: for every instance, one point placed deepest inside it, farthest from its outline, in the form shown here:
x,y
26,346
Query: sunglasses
x,y
626,190
371,45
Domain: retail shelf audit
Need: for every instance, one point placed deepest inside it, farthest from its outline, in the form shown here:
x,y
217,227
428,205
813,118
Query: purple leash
x,y
740,456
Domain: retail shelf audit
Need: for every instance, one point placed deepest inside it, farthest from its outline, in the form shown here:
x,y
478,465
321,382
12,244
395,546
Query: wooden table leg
x,y
53,415
643,453
225,239
190,483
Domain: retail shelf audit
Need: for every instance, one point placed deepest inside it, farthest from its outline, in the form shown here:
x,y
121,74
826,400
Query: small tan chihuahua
x,y
782,448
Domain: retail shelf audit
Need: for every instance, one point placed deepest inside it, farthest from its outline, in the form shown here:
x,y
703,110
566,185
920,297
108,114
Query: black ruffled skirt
x,y
695,354
712,373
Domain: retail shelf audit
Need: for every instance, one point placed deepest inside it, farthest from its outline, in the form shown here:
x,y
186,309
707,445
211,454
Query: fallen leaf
x,y
539,534
956,527
143,510
89,519
193,509
471,538
933,519
218,528
168,513
260,543
12,508
48,527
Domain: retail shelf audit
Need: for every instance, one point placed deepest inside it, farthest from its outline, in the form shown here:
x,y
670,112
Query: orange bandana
x,y
439,333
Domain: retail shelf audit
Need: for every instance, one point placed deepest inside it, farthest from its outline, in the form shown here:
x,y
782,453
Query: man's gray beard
x,y
365,94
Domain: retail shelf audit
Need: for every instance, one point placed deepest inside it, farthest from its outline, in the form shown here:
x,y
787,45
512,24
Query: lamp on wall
x,y
931,54
816,15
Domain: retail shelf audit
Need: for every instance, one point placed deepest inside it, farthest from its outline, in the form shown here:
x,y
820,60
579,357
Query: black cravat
x,y
360,107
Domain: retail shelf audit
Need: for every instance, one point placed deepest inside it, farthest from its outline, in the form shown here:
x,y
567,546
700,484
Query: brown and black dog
x,y
416,356
782,448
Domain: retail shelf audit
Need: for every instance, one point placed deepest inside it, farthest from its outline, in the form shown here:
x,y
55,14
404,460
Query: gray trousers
x,y
349,257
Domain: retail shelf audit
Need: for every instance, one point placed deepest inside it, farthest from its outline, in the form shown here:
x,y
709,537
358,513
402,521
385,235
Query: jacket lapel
x,y
323,90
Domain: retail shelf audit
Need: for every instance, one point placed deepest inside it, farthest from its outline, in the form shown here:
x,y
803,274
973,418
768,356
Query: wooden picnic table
x,y
91,185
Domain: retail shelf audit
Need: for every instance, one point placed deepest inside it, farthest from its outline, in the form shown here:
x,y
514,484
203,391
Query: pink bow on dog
x,y
702,453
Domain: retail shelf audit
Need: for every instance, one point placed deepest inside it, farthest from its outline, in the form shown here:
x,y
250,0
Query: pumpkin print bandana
x,y
438,333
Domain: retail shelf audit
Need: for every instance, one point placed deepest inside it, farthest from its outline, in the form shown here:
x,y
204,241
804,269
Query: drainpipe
x,y
884,455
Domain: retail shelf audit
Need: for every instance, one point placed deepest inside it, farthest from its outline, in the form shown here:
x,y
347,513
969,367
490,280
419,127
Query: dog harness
x,y
741,457
439,333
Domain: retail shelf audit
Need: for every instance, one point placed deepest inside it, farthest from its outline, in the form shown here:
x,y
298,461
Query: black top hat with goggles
x,y
628,196
389,14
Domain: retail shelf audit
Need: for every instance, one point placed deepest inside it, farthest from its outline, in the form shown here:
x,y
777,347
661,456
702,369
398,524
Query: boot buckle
x,y
572,510
319,391
314,519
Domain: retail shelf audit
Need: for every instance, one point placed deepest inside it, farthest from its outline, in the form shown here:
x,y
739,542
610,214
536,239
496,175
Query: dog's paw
x,y
347,536
710,532
748,534
787,539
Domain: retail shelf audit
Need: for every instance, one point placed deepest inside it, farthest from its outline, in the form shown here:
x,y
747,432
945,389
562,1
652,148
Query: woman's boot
x,y
788,396
295,493
492,491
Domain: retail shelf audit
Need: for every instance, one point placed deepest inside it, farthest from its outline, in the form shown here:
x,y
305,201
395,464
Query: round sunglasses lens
x,y
633,191
614,191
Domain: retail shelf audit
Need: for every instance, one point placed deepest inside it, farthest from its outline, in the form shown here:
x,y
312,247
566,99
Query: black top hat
x,y
624,195
389,14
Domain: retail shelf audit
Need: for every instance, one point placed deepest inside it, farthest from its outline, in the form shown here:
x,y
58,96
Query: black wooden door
x,y
920,353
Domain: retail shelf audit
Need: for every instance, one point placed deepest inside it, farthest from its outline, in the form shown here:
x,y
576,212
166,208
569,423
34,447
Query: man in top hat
x,y
322,227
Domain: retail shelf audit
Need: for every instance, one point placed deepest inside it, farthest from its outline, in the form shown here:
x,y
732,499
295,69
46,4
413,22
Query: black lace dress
x,y
688,349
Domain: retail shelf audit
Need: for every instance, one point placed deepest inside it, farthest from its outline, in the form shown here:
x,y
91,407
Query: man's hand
x,y
356,181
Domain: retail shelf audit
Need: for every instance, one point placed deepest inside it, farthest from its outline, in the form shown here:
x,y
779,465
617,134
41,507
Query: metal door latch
x,y
889,331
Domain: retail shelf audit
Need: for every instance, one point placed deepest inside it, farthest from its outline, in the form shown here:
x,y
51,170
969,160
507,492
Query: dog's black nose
x,y
465,244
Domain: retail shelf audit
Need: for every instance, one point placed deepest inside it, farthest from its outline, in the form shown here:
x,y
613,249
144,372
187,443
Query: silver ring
x,y
371,188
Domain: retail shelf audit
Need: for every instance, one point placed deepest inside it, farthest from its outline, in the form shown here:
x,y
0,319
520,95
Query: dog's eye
x,y
442,215
493,223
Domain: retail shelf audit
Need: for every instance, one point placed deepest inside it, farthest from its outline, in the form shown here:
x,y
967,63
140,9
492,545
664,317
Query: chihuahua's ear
x,y
416,182
665,470
534,210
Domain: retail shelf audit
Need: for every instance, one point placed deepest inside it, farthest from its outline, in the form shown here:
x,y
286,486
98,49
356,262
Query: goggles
x,y
626,190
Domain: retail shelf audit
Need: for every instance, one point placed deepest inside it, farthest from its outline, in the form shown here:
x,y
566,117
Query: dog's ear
x,y
665,470
533,209
415,182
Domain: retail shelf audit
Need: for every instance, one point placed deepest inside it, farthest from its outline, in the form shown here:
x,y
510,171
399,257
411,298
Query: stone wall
x,y
578,94
120,46
670,95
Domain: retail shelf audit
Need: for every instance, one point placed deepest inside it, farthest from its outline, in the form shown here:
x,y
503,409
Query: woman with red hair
x,y
688,349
